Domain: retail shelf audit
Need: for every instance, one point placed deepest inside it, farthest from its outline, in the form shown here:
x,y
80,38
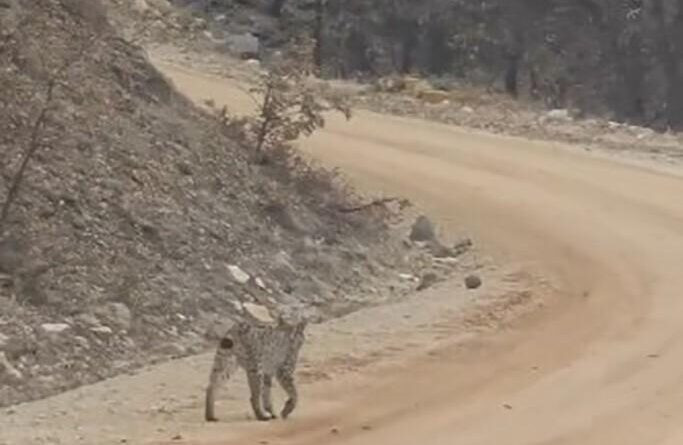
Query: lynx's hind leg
x,y
224,364
285,378
266,397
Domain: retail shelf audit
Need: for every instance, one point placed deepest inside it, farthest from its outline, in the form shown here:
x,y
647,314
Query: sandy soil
x,y
600,365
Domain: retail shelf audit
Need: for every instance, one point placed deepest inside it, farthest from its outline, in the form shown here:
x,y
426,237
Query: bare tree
x,y
39,93
287,103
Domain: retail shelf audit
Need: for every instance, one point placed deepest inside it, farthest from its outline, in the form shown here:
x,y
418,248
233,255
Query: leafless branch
x,y
382,202
36,132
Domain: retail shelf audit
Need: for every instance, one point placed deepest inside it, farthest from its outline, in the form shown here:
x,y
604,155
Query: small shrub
x,y
288,105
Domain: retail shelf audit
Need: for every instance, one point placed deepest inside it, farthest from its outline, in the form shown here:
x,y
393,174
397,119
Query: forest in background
x,y
619,59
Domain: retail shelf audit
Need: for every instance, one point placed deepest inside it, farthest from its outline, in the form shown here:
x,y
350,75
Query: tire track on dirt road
x,y
602,364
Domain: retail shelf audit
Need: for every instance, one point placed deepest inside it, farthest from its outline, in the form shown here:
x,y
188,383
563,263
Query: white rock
x,y
559,114
238,274
104,330
259,312
54,328
466,109
259,282
7,369
446,260
3,340
407,277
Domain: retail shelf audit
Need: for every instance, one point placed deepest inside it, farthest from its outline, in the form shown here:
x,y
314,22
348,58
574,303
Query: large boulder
x,y
244,45
422,230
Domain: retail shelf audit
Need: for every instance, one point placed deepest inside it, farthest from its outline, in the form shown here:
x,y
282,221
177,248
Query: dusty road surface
x,y
601,364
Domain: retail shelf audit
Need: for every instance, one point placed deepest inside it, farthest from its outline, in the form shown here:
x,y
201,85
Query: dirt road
x,y
603,364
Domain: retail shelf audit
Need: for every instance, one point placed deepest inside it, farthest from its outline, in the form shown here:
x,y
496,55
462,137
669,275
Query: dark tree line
x,y
620,58
615,58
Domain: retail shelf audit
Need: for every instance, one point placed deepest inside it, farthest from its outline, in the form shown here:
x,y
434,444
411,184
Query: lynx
x,y
264,352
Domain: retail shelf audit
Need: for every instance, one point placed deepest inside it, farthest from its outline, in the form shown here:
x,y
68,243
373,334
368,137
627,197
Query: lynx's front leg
x,y
224,364
255,379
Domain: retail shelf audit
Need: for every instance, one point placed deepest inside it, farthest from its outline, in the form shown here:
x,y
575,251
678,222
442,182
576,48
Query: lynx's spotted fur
x,y
264,352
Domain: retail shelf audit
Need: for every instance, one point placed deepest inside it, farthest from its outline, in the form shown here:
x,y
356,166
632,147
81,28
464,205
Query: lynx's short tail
x,y
224,364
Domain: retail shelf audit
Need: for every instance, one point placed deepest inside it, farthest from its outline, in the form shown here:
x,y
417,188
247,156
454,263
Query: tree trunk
x,y
408,46
319,33
512,74
275,8
666,42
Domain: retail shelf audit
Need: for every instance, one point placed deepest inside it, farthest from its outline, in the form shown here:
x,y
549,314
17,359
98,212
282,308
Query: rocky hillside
x,y
138,224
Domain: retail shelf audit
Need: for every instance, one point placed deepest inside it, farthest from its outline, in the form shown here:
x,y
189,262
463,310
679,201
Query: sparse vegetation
x,y
123,207
287,104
